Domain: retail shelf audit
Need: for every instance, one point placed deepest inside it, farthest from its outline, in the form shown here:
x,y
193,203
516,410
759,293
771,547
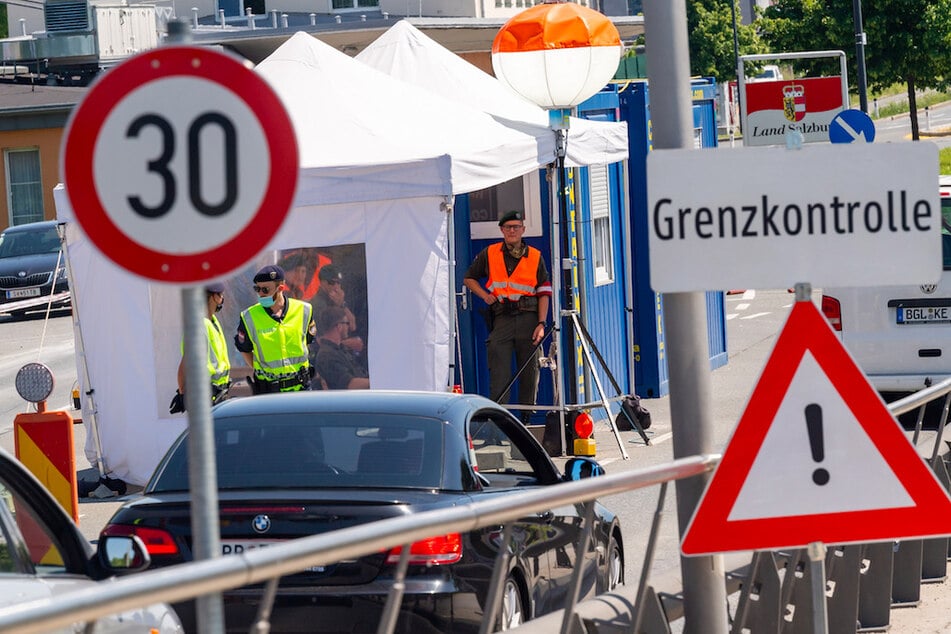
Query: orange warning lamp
x,y
584,427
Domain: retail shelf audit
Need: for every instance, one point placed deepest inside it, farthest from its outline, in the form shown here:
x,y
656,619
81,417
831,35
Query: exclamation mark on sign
x,y
814,426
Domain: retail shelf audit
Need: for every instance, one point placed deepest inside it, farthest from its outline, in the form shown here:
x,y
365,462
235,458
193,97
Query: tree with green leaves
x,y
710,34
909,41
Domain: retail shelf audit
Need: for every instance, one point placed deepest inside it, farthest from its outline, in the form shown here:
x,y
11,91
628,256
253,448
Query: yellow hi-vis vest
x,y
219,366
280,347
524,278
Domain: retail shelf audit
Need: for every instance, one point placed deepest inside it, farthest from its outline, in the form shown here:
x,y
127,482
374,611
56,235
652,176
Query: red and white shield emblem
x,y
794,102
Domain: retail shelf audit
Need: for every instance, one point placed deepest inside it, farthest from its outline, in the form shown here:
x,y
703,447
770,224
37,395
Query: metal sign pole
x,y
202,469
202,473
665,25
817,575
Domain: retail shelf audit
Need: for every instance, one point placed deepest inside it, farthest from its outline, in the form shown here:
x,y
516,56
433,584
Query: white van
x,y
770,72
900,336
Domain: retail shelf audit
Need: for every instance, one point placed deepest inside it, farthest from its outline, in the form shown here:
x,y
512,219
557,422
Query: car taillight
x,y
833,312
435,551
157,541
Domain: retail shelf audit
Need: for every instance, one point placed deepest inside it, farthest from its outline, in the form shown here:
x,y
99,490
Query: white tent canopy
x,y
348,114
408,54
379,161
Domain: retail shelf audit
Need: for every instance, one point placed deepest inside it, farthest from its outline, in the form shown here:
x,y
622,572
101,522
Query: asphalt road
x,y
935,126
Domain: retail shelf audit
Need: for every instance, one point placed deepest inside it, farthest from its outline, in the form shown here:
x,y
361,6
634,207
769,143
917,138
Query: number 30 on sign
x,y
180,164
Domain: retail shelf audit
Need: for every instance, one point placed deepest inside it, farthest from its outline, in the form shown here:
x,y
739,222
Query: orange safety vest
x,y
521,283
314,285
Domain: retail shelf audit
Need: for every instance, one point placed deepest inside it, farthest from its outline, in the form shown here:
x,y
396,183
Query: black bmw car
x,y
298,464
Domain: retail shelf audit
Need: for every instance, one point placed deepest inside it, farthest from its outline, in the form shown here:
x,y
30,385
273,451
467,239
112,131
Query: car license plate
x,y
923,315
23,292
234,547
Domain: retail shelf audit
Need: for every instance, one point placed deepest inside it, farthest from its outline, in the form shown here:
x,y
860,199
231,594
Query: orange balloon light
x,y
584,425
557,54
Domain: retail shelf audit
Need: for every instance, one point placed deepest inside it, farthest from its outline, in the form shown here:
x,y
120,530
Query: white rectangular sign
x,y
829,215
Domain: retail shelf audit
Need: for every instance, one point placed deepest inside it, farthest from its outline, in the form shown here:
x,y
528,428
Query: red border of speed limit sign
x,y
85,127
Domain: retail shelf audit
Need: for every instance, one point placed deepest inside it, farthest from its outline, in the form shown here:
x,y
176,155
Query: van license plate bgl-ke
x,y
923,315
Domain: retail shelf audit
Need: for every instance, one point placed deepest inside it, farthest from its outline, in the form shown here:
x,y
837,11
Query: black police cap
x,y
510,215
269,273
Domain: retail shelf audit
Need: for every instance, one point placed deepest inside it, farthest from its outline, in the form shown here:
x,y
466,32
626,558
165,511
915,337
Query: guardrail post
x,y
875,587
845,563
906,574
934,564
760,606
653,617
797,586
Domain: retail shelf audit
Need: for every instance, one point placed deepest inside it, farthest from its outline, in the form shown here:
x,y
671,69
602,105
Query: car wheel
x,y
513,606
615,565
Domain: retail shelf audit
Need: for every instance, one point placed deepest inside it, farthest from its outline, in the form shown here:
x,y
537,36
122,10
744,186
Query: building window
x,y
24,186
602,238
486,206
354,4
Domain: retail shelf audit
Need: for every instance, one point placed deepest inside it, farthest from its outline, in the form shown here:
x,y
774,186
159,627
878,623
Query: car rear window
x,y
327,450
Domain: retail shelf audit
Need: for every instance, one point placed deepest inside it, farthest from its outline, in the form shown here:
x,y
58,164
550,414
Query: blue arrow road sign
x,y
851,126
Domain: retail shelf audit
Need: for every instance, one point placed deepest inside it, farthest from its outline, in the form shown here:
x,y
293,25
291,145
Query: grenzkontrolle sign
x,y
829,215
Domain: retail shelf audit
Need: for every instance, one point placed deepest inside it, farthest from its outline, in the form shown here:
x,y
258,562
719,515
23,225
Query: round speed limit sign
x,y
180,164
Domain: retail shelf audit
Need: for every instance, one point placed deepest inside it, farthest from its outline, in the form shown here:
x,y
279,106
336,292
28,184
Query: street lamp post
x,y
556,55
860,54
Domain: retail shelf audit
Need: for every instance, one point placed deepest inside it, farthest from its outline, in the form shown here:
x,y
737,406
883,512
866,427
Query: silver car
x,y
44,556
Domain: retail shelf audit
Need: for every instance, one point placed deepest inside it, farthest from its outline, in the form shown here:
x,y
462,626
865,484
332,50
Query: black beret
x,y
510,215
270,273
215,287
329,272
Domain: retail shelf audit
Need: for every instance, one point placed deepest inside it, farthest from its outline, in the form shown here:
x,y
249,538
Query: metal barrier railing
x,y
646,609
193,579
185,581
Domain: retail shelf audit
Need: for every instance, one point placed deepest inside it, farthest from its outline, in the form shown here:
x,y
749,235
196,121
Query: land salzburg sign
x,y
775,108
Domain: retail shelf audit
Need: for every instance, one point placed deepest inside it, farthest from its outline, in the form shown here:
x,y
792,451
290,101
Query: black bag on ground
x,y
632,405
551,440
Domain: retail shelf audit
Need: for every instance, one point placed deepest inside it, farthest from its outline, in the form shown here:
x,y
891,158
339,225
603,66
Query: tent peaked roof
x,y
405,52
347,114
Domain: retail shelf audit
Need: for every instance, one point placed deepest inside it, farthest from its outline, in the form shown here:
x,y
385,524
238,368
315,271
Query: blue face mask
x,y
267,301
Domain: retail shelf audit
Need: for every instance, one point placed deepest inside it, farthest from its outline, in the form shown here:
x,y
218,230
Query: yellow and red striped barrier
x,y
44,444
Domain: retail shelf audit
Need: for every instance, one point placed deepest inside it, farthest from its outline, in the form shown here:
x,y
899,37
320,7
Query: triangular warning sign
x,y
816,457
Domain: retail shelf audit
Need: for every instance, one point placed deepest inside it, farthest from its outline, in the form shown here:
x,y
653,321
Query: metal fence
x,y
772,588
185,581
633,609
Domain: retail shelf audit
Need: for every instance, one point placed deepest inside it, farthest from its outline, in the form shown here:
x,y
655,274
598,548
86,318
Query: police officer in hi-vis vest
x,y
273,336
518,292
219,365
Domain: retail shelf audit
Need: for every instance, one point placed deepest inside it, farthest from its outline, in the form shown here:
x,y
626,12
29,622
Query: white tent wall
x,y
132,329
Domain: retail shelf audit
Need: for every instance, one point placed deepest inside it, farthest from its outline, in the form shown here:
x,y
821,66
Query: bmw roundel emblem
x,y
261,523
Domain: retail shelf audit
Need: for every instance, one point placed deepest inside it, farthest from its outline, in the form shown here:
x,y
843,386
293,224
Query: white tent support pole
x,y
90,415
629,299
554,210
455,360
